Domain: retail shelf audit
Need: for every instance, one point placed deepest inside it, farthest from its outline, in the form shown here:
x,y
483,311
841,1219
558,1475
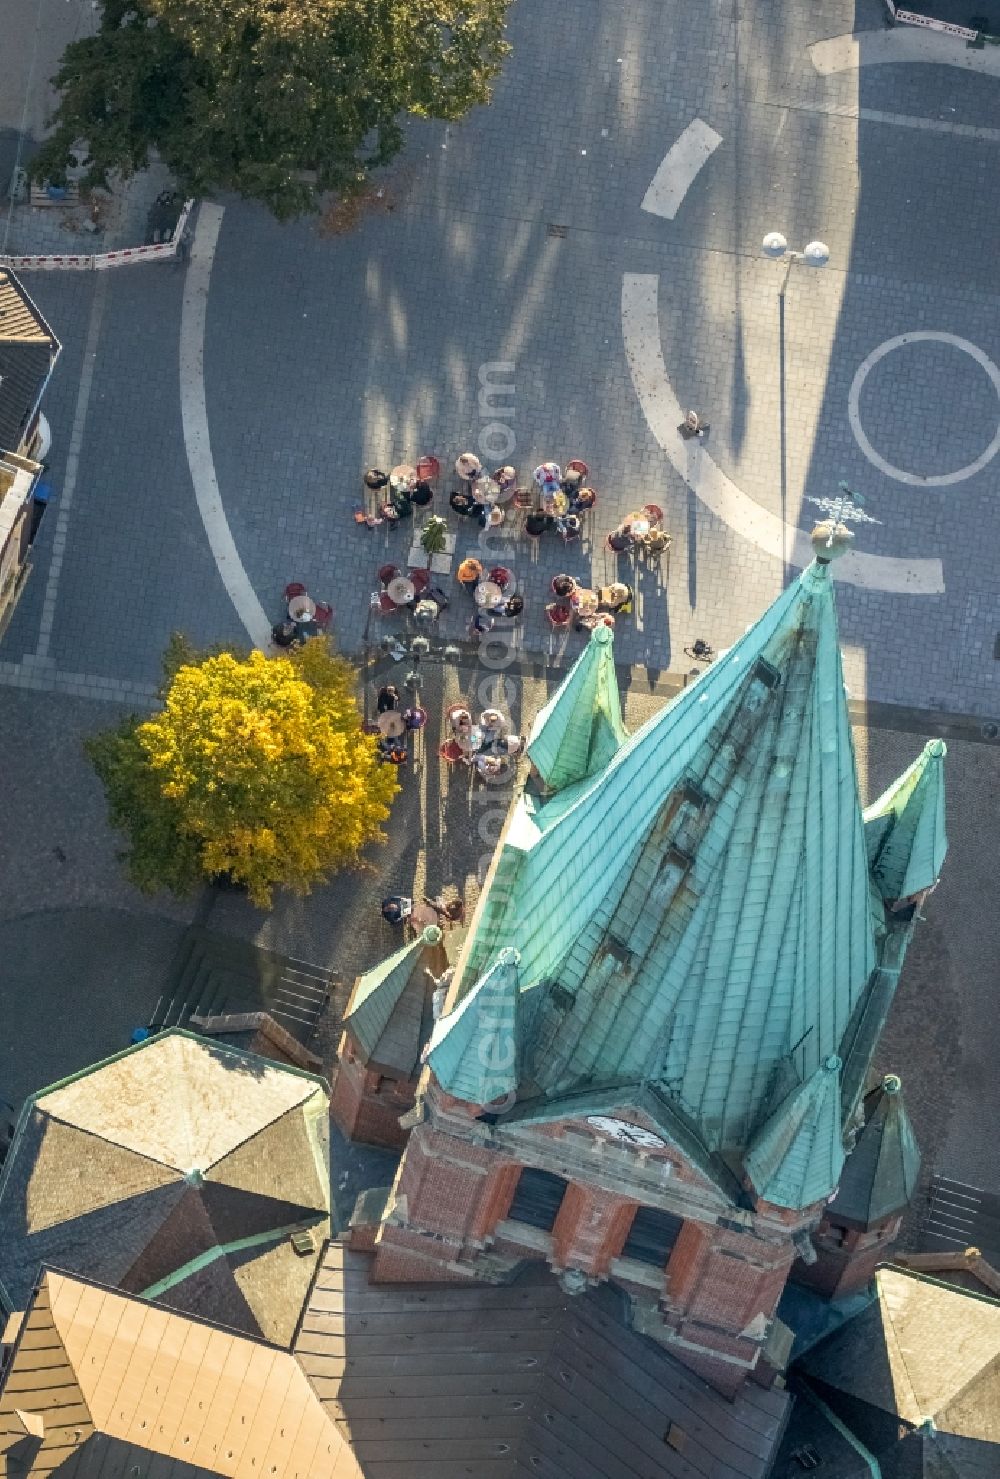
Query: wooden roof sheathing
x,y
443,1382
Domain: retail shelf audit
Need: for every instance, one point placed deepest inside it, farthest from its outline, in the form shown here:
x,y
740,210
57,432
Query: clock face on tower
x,y
625,1133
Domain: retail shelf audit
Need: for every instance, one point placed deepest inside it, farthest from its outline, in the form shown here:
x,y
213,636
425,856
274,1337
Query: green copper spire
x,y
904,828
797,1157
378,992
697,912
881,1172
580,728
474,1051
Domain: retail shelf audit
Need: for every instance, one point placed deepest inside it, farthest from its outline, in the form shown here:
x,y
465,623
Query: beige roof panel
x,y
210,1100
169,1385
291,1161
75,1173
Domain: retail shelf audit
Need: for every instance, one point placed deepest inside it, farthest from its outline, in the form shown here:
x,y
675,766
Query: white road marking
x,y
65,502
679,168
892,120
719,494
937,480
900,44
194,418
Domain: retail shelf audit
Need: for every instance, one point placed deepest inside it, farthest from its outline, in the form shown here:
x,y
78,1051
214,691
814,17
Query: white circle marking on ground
x,y
917,336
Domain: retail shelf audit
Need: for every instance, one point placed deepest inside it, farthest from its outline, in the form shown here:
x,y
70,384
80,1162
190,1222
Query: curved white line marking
x,y
194,419
678,169
900,44
663,412
916,336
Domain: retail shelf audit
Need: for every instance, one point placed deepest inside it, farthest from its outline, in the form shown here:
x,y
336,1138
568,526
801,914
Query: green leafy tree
x,y
256,769
279,100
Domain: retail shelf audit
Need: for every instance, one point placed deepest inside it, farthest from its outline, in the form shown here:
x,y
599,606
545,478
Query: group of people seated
x,y
490,589
392,749
487,746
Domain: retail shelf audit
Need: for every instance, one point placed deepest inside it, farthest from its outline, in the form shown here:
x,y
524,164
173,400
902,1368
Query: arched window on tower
x,y
652,1236
537,1199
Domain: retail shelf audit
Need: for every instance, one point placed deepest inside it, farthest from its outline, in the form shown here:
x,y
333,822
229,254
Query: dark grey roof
x,y
499,1382
28,350
176,1170
881,1172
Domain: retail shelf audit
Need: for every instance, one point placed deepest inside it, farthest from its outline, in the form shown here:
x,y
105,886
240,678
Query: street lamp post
x,y
816,254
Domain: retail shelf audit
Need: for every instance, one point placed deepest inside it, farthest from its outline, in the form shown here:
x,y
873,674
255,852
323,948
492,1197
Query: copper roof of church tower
x,y
697,914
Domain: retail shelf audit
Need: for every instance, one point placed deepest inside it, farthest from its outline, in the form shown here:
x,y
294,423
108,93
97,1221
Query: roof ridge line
x,y
220,1250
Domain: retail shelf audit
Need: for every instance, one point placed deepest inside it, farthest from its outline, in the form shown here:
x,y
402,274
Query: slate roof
x,y
922,1354
882,1170
389,1012
102,1385
28,350
500,1382
697,914
905,830
177,1170
580,728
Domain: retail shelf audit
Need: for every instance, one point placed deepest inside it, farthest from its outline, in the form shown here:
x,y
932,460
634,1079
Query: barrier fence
x,y
914,18
104,261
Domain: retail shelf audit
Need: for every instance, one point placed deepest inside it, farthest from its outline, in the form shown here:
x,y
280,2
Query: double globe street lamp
x,y
816,254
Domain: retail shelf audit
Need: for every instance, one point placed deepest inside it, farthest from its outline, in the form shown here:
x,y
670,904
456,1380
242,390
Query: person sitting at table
x,y
463,503
514,606
376,478
422,493
656,542
286,634
461,721
489,767
615,597
582,500
505,476
388,698
563,586
481,623
469,574
425,612
395,753
396,909
436,594
620,540
494,726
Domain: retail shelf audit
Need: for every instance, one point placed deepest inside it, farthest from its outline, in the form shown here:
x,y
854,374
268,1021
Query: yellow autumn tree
x,y
256,770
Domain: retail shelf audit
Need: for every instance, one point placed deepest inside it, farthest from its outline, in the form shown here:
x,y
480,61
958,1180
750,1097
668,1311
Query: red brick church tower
x,y
652,1061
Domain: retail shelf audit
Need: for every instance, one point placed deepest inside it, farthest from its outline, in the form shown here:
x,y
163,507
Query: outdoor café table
x,y
584,601
485,490
403,478
302,608
488,594
555,504
638,524
472,740
401,590
391,724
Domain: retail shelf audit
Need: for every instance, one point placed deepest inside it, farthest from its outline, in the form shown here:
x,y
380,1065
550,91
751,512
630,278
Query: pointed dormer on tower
x,y
474,1053
580,729
904,829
